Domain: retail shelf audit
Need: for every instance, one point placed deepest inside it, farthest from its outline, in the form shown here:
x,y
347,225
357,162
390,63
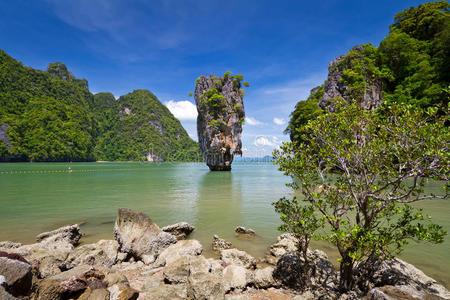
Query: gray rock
x,y
205,287
17,274
236,277
335,88
400,292
179,230
199,265
285,243
263,278
216,266
121,291
7,246
238,258
220,244
177,271
243,230
48,266
219,129
4,295
138,235
70,234
183,248
166,292
102,253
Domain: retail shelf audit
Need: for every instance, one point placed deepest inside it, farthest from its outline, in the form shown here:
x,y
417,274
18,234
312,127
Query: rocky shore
x,y
147,262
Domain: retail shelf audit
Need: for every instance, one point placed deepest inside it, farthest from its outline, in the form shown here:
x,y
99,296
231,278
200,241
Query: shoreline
x,y
155,262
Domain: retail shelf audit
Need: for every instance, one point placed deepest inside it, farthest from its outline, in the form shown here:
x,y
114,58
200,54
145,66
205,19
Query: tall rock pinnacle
x,y
220,117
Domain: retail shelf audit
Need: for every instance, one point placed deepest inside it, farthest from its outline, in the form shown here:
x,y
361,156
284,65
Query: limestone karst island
x,y
238,150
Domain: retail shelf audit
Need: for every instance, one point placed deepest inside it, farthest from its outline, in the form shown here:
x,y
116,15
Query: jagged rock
x,y
243,230
183,248
102,253
285,243
216,266
115,277
220,119
138,235
199,265
334,86
48,265
205,287
121,291
95,294
8,246
397,272
220,244
399,292
236,277
17,275
70,234
263,278
177,271
166,292
47,290
179,230
238,258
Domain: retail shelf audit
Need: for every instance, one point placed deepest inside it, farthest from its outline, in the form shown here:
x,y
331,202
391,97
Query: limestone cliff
x,y
221,114
368,92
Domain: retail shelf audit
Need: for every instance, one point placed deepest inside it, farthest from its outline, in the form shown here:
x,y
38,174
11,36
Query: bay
x,y
37,197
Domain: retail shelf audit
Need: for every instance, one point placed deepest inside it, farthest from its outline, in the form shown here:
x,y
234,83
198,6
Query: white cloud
x,y
182,110
279,121
263,141
252,121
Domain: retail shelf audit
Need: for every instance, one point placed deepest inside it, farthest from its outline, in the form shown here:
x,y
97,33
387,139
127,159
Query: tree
x,y
358,171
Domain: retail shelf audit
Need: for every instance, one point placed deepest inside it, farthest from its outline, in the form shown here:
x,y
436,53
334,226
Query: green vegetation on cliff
x,y
412,64
52,116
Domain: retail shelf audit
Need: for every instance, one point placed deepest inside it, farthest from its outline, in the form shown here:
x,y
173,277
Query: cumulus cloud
x,y
182,110
252,121
263,141
279,121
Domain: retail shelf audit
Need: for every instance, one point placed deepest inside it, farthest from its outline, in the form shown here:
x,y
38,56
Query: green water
x,y
37,197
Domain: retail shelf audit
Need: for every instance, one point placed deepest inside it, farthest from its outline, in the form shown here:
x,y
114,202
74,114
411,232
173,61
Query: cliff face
x,y
221,114
369,92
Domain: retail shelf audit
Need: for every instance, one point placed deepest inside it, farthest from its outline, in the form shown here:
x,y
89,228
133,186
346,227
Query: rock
x,y
70,234
17,275
177,271
4,295
236,277
334,86
243,230
220,244
47,290
205,287
8,246
397,272
285,243
138,235
166,292
96,294
179,230
216,266
181,249
399,292
263,278
219,121
102,253
238,258
115,277
294,273
199,265
48,266
121,291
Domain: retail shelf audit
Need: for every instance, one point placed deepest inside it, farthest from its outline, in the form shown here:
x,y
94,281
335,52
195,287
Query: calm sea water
x,y
37,197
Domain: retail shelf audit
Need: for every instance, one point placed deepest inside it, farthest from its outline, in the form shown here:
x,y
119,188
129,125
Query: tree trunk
x,y
346,274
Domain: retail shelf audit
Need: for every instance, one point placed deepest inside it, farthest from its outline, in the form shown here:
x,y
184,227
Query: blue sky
x,y
281,47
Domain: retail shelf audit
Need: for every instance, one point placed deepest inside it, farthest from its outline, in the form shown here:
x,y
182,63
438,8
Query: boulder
x,y
243,230
166,292
70,234
48,265
236,277
179,230
285,243
183,248
205,287
138,235
4,295
220,244
199,265
17,275
238,258
95,294
47,290
399,292
263,278
102,253
177,271
121,291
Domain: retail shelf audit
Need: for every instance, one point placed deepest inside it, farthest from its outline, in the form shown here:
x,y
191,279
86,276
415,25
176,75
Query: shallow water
x,y
37,197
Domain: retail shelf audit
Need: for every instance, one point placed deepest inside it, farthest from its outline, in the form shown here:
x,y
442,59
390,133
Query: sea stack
x,y
221,114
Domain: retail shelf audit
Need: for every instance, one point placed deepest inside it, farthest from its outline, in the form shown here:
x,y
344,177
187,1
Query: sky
x,y
281,47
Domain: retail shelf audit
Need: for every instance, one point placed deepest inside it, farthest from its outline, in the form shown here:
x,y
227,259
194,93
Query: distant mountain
x,y
52,116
